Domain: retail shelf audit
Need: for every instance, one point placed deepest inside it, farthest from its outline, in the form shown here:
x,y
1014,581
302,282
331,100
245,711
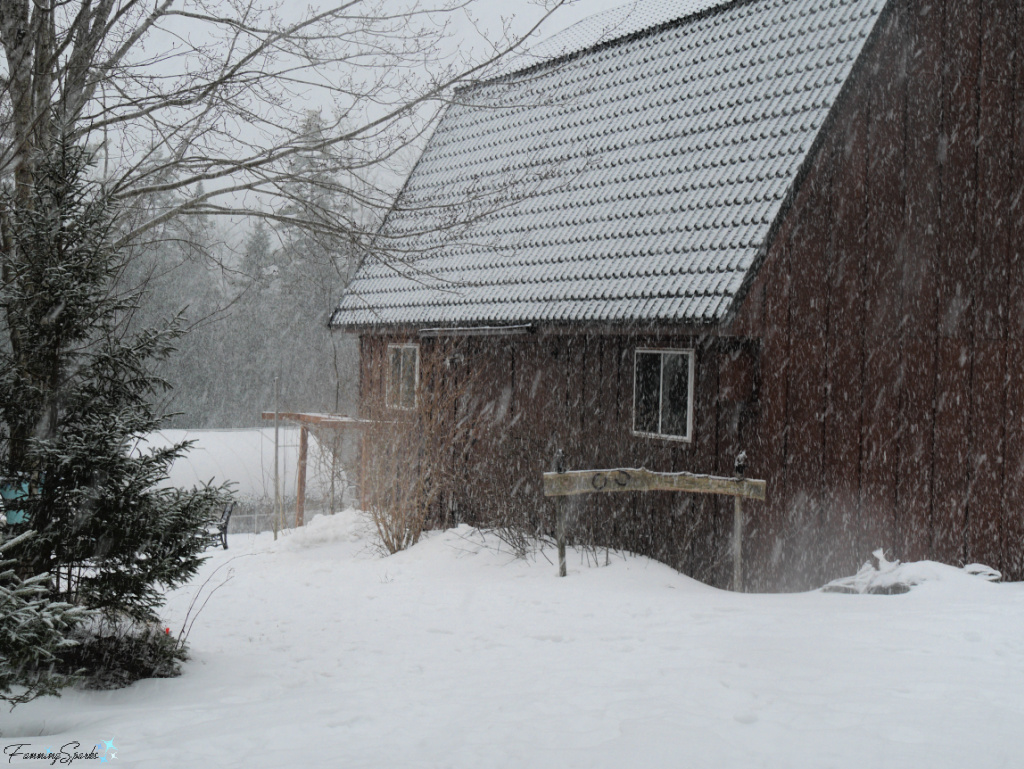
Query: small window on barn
x,y
403,373
663,394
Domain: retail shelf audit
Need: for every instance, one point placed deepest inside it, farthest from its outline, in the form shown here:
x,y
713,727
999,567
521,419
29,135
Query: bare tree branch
x,y
183,93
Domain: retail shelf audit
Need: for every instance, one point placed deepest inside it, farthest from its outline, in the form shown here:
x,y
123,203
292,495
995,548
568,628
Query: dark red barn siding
x,y
891,310
530,395
1013,487
874,373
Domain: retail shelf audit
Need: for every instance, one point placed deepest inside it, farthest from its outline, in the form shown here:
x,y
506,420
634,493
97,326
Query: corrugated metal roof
x,y
634,181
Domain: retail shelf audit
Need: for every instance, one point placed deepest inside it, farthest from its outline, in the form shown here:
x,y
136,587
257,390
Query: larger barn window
x,y
663,394
403,373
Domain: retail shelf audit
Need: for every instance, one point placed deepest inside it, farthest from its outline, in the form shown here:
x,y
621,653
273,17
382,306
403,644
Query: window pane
x,y
394,376
675,394
645,392
409,355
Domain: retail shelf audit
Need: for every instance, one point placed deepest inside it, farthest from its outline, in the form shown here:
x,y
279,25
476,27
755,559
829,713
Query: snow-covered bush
x,y
114,655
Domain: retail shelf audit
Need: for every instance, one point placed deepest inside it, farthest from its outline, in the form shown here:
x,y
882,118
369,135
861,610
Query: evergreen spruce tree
x,y
34,630
76,395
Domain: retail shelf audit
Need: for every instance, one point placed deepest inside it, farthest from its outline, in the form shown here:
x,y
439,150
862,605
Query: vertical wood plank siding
x,y
919,269
919,185
874,374
1013,486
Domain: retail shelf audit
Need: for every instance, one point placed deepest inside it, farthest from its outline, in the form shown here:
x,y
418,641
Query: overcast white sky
x,y
614,17
526,12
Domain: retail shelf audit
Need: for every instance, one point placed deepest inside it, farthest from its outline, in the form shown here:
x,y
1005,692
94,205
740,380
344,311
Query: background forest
x,y
257,306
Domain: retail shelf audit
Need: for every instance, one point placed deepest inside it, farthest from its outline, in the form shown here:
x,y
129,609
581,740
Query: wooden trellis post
x,y
305,422
300,477
561,483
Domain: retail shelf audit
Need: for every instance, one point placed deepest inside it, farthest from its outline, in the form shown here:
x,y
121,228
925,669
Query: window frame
x,y
388,399
691,354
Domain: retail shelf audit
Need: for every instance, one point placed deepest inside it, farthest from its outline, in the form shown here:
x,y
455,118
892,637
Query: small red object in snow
x,y
167,630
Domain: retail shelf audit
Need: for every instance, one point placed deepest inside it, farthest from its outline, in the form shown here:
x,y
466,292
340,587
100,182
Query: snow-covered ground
x,y
317,652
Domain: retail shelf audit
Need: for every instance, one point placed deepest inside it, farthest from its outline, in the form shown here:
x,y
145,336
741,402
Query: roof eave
x,y
699,327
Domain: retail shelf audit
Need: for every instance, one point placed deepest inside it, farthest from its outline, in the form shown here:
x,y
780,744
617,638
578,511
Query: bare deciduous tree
x,y
195,109
181,93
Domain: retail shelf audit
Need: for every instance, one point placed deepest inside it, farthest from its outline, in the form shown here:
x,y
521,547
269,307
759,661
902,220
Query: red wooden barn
x,y
789,227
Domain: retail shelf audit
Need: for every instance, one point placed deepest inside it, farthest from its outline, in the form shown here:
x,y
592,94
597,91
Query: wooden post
x,y
560,516
305,421
300,480
740,467
737,545
278,518
363,497
560,533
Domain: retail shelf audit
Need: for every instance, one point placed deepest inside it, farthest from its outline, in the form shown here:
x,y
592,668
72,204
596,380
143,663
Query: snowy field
x,y
319,653
243,457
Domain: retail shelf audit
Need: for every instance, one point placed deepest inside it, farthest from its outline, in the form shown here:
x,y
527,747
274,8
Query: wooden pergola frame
x,y
305,421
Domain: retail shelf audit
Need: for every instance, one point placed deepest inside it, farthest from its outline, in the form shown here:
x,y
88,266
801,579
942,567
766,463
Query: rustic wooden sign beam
x,y
562,483
629,479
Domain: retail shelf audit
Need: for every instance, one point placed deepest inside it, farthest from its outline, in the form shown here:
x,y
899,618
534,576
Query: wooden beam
x,y
322,420
630,479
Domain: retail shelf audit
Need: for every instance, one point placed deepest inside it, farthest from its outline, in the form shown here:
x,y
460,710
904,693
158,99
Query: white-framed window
x,y
663,393
403,375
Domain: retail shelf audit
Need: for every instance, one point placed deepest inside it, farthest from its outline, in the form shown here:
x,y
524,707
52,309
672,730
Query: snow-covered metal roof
x,y
635,181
